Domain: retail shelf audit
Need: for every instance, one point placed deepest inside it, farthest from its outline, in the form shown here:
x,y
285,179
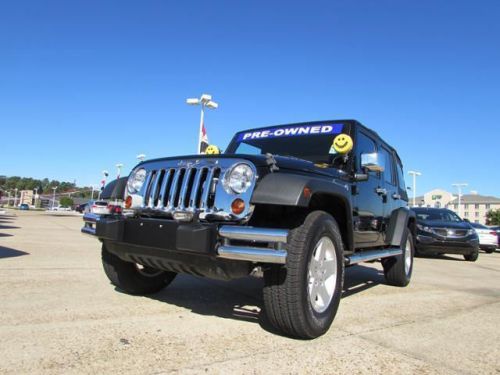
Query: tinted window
x,y
436,215
386,162
401,177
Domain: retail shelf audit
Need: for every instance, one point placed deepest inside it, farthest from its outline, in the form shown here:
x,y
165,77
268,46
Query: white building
x,y
472,206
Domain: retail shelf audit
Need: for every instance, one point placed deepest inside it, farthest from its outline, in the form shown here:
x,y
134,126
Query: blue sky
x,y
87,84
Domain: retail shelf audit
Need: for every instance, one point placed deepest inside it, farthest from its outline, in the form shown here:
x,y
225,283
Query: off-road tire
x,y
129,278
472,257
286,294
395,271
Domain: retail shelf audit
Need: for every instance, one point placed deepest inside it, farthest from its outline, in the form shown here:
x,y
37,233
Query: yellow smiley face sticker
x,y
212,150
342,143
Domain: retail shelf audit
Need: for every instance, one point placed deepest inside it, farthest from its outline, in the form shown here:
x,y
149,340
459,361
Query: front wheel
x,y
472,257
398,269
133,278
302,298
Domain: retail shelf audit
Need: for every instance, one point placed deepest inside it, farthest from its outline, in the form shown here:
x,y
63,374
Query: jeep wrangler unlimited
x,y
295,202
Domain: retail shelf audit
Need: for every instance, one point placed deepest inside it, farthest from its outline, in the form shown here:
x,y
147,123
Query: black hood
x,y
261,161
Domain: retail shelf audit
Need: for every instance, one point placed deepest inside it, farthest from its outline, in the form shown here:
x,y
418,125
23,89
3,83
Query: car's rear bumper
x,y
233,242
431,245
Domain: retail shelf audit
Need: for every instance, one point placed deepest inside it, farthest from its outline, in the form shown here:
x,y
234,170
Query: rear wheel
x,y
134,278
302,298
398,269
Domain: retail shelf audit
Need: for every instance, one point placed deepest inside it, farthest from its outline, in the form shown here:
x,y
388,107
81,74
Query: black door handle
x,y
396,196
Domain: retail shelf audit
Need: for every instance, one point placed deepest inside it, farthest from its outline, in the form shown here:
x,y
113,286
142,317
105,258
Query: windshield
x,y
436,215
309,142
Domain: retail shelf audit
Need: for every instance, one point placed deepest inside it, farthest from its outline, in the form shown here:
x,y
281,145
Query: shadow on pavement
x,y
5,235
8,226
456,257
7,252
242,299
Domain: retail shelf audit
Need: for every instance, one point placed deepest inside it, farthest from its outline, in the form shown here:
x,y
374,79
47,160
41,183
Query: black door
x,y
390,192
368,207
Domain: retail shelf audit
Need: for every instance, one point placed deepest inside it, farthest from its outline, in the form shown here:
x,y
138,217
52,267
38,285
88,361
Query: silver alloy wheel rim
x,y
146,271
322,274
407,251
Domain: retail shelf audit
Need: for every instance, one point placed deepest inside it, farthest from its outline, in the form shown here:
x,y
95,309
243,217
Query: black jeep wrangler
x,y
296,203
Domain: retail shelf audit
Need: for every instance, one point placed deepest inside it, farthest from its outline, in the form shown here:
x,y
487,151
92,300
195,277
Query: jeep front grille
x,y
181,189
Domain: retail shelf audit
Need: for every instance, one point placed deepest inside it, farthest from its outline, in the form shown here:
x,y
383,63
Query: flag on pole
x,y
203,139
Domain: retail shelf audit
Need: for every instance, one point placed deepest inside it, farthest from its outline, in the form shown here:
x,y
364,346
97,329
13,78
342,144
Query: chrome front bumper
x,y
235,242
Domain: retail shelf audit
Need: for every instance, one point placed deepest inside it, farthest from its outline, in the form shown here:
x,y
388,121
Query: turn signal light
x,y
238,206
128,202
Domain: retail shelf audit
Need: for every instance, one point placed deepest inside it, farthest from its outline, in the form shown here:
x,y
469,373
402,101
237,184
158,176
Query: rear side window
x,y
386,161
401,177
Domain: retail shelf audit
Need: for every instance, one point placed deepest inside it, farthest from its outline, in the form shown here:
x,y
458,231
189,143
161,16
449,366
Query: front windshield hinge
x,y
271,163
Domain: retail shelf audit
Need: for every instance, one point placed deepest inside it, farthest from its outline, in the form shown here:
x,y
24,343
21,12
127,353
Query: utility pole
x,y
54,197
414,174
459,187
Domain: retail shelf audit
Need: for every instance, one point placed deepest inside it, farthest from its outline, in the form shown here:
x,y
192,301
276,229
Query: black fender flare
x,y
284,189
398,222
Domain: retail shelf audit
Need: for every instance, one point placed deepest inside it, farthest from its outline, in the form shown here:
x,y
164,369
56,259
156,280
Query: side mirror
x,y
466,220
371,163
359,177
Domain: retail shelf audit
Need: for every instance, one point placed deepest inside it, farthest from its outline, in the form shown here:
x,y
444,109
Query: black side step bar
x,y
366,256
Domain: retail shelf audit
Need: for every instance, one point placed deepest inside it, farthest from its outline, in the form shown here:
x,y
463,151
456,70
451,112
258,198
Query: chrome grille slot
x,y
155,191
173,190
165,187
147,184
178,187
194,201
185,189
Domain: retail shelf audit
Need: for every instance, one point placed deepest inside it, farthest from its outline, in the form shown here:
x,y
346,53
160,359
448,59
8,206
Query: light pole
x,y
459,187
119,167
54,197
36,196
105,175
15,197
414,174
205,101
141,157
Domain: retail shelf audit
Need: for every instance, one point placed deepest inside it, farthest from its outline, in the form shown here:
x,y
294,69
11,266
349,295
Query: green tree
x,y
66,201
493,217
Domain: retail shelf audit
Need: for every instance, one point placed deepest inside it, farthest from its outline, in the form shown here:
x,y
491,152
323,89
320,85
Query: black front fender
x,y
288,189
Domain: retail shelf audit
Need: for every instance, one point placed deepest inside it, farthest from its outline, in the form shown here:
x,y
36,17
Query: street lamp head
x,y
205,98
119,165
105,173
212,105
141,157
193,101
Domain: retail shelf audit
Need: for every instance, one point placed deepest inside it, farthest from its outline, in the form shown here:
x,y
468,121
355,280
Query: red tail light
x,y
114,209
493,233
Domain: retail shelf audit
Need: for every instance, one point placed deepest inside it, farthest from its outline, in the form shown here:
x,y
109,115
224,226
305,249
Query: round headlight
x,y
136,180
238,179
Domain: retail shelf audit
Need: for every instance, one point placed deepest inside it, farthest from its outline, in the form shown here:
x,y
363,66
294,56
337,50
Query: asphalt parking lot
x,y
59,314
